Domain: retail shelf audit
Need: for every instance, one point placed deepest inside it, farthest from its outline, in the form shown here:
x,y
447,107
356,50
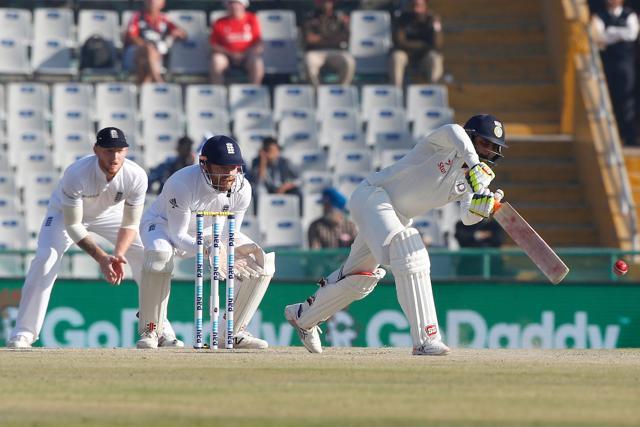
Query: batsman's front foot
x,y
244,340
169,341
309,337
436,348
148,339
19,341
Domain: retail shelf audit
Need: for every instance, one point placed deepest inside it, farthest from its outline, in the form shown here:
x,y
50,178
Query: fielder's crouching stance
x,y
443,167
168,230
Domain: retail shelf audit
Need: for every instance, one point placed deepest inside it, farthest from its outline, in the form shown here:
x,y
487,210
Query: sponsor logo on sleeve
x,y
174,203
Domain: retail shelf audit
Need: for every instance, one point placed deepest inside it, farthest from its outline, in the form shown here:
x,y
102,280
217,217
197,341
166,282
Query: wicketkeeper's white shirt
x,y
185,193
85,184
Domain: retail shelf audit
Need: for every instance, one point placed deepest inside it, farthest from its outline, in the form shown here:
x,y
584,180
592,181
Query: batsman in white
x,y
445,166
103,193
168,229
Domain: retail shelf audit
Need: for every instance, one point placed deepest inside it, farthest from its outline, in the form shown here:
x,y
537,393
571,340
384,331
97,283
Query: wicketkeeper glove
x,y
482,203
479,177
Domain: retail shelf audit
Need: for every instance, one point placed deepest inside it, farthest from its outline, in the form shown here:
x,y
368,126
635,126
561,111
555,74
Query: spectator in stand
x,y
147,40
326,35
272,172
236,41
616,32
184,157
333,229
417,38
485,234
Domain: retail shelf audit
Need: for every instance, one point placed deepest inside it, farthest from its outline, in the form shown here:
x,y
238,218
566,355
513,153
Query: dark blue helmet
x,y
221,150
218,151
489,128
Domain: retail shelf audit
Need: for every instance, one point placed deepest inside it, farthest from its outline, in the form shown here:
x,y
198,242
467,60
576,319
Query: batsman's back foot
x,y
437,348
309,337
19,341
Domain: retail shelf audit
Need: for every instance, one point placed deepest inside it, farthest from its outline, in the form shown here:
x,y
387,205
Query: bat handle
x,y
496,206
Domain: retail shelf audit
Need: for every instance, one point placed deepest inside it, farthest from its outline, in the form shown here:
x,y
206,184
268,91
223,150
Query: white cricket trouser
x,y
53,242
377,222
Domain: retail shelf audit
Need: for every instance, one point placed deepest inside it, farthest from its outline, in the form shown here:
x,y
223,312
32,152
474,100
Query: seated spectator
x,y
326,36
616,32
272,173
333,229
184,157
417,38
236,40
485,234
147,40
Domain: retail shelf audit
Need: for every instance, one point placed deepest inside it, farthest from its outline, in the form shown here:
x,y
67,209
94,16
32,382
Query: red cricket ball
x,y
620,268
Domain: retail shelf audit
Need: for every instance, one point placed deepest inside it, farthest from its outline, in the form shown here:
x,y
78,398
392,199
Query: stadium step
x,y
490,10
493,96
541,193
538,148
531,68
632,161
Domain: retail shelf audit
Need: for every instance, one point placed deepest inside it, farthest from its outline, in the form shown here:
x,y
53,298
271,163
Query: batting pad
x,y
249,293
154,289
333,297
410,266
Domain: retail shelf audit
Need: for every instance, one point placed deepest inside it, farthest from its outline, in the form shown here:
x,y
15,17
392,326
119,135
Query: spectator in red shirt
x,y
149,35
236,40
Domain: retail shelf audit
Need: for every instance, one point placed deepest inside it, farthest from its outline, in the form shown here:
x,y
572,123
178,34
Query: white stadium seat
x,y
27,95
251,142
429,119
287,97
26,119
331,97
53,23
425,96
343,124
390,156
190,56
14,57
280,41
122,118
348,182
207,121
251,228
354,160
53,56
16,24
7,183
315,182
370,40
380,96
73,95
159,145
248,96
388,128
13,233
155,96
298,129
278,206
204,96
113,95
252,119
307,159
26,140
9,205
103,23
282,232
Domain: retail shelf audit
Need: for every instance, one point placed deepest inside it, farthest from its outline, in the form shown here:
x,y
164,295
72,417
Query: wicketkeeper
x,y
168,230
449,164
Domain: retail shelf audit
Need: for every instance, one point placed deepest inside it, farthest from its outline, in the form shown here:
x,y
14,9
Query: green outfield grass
x,y
289,387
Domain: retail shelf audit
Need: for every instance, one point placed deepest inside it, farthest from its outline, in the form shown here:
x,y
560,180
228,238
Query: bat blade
x,y
531,243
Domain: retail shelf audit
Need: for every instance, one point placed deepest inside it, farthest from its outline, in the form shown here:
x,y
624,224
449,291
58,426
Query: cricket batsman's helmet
x,y
490,129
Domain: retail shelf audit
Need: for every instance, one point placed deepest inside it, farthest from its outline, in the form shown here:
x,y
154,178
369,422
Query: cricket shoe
x,y
309,337
148,339
19,341
169,341
244,340
436,348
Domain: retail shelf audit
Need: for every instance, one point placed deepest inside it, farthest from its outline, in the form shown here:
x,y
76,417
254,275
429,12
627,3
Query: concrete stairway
x,y
495,52
632,161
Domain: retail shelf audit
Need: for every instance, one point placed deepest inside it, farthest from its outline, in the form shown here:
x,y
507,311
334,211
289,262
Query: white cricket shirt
x,y
85,184
185,193
431,174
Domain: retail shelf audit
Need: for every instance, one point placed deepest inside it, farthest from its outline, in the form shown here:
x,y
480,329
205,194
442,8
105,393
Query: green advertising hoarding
x,y
480,315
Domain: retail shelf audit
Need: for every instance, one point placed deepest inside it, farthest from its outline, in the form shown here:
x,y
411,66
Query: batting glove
x,y
479,177
482,203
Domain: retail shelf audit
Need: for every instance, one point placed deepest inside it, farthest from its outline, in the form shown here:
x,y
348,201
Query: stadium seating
x,y
282,232
428,119
16,24
14,57
370,40
190,56
420,97
388,128
307,159
292,97
380,96
115,96
200,97
280,41
242,96
103,23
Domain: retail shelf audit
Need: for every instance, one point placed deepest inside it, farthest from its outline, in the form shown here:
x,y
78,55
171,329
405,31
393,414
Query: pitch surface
x,y
289,387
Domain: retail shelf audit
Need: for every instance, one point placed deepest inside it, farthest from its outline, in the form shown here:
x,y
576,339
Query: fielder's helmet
x,y
221,150
489,128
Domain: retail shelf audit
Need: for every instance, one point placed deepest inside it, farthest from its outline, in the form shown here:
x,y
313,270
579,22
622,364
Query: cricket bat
x,y
530,242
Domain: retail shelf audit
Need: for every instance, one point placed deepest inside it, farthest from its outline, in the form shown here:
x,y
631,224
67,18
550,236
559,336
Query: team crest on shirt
x,y
460,187
174,203
118,197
